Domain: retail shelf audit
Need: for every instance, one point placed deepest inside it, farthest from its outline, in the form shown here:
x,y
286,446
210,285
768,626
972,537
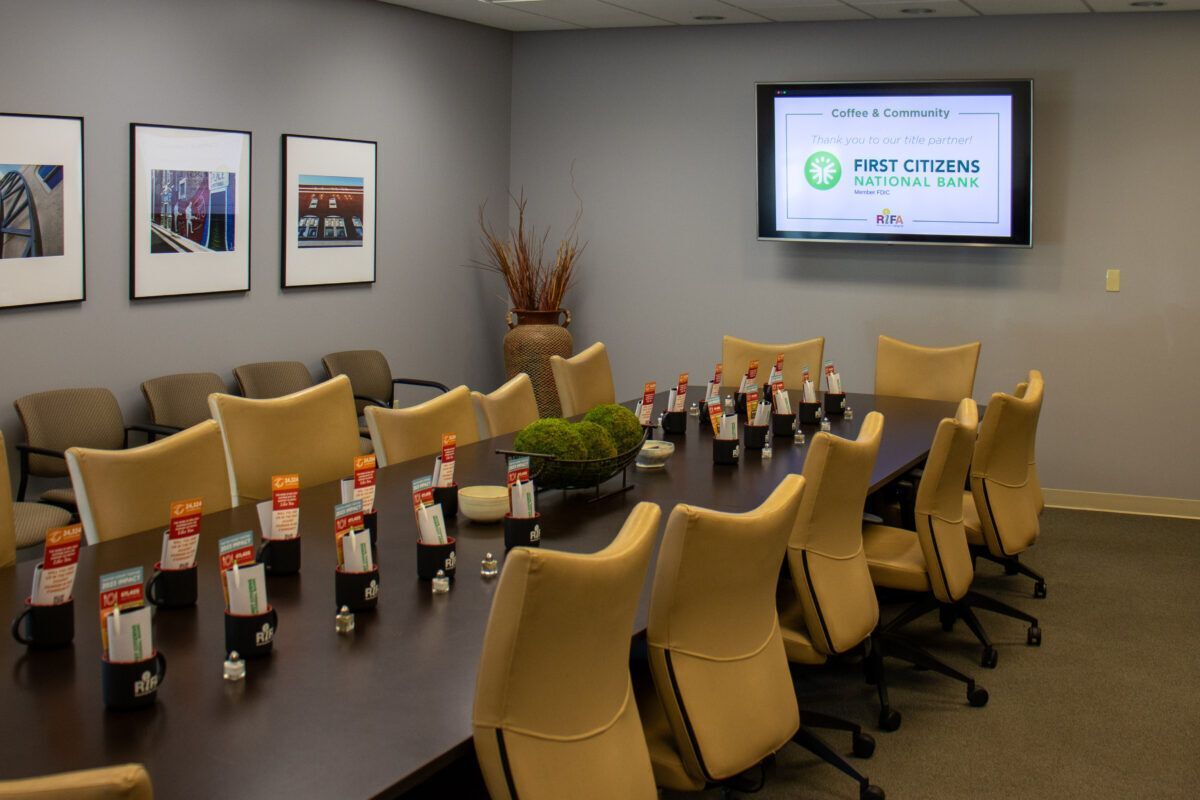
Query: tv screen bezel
x,y
1021,91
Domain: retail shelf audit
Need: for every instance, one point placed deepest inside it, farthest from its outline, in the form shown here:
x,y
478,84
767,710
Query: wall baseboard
x,y
1180,507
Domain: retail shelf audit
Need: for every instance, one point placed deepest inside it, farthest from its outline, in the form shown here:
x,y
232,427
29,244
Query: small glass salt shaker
x,y
799,438
441,584
235,667
768,451
343,623
489,567
694,409
825,426
849,413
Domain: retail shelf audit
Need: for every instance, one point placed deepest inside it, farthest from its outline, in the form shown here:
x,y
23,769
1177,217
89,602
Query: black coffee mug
x,y
448,497
725,451
45,627
357,591
371,523
739,403
172,588
783,424
522,531
755,436
132,684
251,635
810,413
674,422
835,404
280,556
432,557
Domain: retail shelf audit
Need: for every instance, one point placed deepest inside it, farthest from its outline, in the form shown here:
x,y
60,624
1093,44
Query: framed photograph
x,y
41,210
189,211
328,206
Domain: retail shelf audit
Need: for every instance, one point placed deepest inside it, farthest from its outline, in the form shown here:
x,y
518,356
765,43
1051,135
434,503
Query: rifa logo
x,y
888,218
535,535
371,591
265,635
147,684
822,170
451,561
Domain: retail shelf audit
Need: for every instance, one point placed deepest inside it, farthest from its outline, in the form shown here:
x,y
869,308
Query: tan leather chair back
x,y
63,418
736,355
509,408
713,625
1006,498
1033,473
825,552
181,401
369,373
266,379
120,492
313,433
125,782
8,529
584,380
939,507
928,373
399,434
555,714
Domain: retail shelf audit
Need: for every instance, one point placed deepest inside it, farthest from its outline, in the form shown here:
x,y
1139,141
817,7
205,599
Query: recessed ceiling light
x,y
708,18
1148,4
916,11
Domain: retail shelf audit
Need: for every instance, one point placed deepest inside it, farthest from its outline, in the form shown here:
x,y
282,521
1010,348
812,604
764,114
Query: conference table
x,y
376,712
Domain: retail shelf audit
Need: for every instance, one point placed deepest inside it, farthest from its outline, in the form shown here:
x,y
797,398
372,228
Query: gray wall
x,y
661,125
433,92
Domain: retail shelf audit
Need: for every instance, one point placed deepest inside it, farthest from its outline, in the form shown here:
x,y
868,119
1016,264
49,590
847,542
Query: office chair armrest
x,y
441,387
25,451
375,401
151,430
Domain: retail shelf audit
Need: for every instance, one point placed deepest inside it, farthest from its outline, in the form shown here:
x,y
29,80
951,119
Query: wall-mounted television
x,y
923,162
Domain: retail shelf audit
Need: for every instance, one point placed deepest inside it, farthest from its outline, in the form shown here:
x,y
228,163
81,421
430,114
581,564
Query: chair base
x,y
949,613
818,747
885,642
1012,566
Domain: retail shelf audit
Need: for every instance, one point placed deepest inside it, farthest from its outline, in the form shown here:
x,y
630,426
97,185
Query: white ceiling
x,y
547,15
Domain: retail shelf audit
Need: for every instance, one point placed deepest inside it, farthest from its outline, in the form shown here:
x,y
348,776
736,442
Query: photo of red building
x,y
330,211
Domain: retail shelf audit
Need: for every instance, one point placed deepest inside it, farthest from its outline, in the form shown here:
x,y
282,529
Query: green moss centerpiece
x,y
581,454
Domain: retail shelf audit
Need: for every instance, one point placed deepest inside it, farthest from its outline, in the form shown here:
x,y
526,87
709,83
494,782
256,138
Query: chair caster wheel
x,y
1033,637
864,745
948,617
870,792
889,720
1039,589
977,696
990,658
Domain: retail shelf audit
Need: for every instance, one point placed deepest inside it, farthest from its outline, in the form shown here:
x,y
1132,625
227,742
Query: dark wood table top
x,y
399,690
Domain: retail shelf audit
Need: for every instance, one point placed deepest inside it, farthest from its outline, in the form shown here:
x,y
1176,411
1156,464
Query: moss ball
x,y
599,442
621,423
555,437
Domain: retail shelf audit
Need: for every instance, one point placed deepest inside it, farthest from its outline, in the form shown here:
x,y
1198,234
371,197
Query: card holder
x,y
432,557
755,436
725,451
522,531
43,627
172,588
835,404
675,422
132,684
810,413
281,556
448,497
251,635
357,591
783,425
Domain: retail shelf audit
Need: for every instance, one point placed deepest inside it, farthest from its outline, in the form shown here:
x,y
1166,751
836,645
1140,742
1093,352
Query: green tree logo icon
x,y
822,170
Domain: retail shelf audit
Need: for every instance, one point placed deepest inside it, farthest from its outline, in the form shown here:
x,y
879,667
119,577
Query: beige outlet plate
x,y
1112,280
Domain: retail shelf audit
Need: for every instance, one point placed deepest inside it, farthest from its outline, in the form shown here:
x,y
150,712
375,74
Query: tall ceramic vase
x,y
528,345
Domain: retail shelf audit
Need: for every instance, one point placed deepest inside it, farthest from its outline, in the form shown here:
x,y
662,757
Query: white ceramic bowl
x,y
654,454
483,503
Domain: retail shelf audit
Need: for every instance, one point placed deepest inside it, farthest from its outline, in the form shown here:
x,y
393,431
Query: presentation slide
x,y
926,165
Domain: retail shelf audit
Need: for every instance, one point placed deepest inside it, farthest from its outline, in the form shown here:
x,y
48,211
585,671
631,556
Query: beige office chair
x,y
584,380
23,524
835,610
1001,510
736,355
1022,387
181,401
127,491
266,379
125,782
62,418
713,626
935,560
371,377
927,373
400,434
555,714
509,408
313,433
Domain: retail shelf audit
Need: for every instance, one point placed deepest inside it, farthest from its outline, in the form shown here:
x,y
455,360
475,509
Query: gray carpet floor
x,y
1107,707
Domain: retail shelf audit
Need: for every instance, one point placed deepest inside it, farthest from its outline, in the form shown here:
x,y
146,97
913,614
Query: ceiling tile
x,y
997,7
800,10
684,12
1124,5
894,9
590,13
505,17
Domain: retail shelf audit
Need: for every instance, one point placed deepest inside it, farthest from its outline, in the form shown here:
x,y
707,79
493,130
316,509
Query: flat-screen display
x,y
896,163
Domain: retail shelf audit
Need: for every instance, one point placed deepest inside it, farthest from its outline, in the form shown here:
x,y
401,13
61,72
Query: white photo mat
x,y
159,274
30,140
332,158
